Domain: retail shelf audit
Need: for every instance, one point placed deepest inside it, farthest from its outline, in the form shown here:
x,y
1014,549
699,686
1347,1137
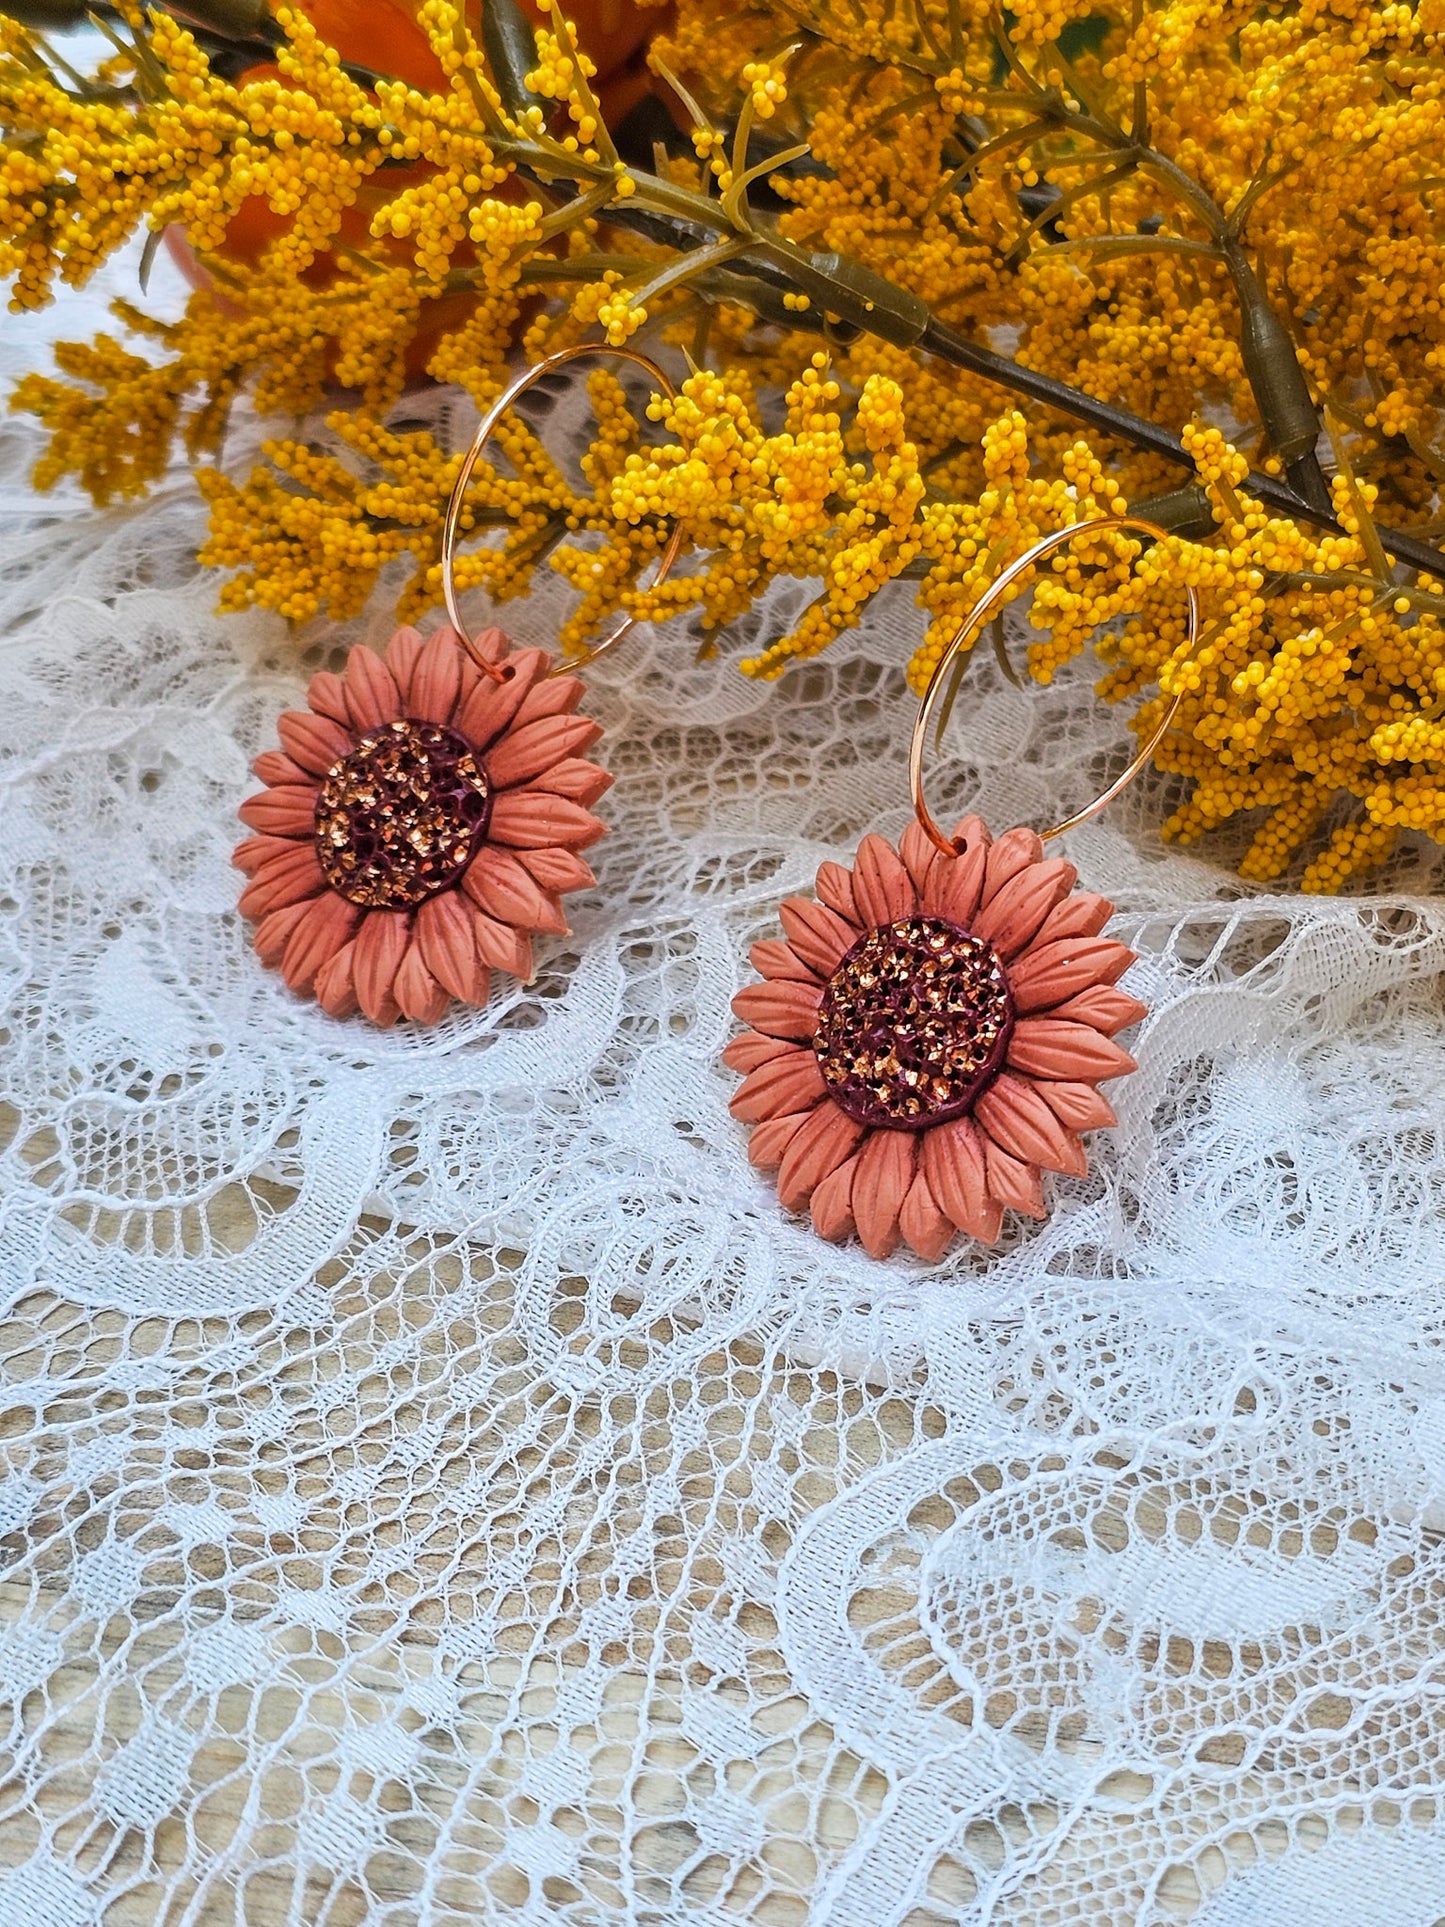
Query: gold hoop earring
x,y
485,429
930,1034
426,813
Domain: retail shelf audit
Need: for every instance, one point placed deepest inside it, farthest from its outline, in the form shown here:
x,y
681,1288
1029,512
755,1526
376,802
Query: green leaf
x,y
511,49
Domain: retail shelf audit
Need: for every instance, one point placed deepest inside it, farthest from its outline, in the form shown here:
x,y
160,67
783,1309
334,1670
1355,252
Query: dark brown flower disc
x,y
914,1023
399,818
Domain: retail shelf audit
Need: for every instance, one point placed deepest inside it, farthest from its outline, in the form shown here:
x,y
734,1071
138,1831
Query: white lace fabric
x,y
441,1486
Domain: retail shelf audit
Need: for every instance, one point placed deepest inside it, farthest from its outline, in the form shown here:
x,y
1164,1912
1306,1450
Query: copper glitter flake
x,y
398,819
913,1024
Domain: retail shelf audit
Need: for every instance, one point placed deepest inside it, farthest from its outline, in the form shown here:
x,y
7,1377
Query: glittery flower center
x,y
913,1024
398,819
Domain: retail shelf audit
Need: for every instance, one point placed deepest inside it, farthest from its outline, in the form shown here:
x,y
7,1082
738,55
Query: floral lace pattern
x,y
442,1484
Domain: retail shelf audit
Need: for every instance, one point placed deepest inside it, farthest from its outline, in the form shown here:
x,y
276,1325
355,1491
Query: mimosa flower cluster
x,y
1227,225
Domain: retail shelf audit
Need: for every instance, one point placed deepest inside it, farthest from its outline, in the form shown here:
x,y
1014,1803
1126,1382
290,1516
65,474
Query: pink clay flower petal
x,y
886,1165
835,889
825,1140
315,742
1014,913
436,679
283,880
372,697
780,1009
418,994
275,766
746,1052
1078,1107
491,706
500,884
955,885
831,1205
919,854
380,946
401,656
273,932
532,819
554,696
501,946
1016,1117
579,781
1049,973
784,1085
286,856
287,810
448,946
882,888
329,923
1053,1047
817,934
1081,915
557,869
972,833
780,962
926,1230
1013,1181
253,852
1103,1007
492,642
770,1141
953,1160
1015,850
326,694
335,985
530,748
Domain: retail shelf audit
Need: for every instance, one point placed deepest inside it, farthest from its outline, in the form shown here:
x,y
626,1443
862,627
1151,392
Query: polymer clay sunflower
x,y
419,825
930,1038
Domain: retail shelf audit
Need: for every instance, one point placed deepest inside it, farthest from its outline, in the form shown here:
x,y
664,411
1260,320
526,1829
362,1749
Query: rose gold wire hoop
x,y
977,619
485,429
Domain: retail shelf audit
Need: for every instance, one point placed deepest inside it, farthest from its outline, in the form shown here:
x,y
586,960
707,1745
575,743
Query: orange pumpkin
x,y
384,36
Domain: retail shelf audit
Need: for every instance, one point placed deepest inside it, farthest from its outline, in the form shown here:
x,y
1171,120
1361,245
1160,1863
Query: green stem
x,y
698,261
1271,365
1111,244
765,262
877,306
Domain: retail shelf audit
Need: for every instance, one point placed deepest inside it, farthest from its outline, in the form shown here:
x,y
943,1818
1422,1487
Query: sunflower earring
x,y
426,812
931,1035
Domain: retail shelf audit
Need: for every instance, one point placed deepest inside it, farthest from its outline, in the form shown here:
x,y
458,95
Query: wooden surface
x,y
222,1856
